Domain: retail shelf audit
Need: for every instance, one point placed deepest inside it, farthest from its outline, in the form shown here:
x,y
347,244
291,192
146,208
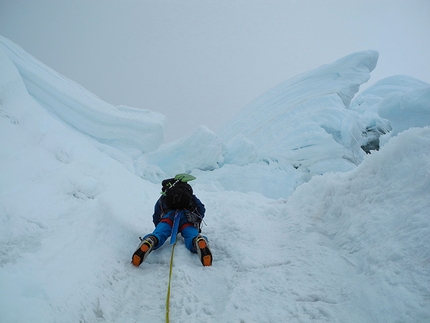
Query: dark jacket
x,y
160,209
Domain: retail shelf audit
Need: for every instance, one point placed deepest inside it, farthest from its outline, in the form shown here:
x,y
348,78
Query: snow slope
x,y
291,243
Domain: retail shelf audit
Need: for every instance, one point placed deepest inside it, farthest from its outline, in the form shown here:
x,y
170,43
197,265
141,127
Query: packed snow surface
x,y
303,224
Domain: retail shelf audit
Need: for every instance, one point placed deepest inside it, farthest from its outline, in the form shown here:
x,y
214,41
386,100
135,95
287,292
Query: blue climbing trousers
x,y
172,223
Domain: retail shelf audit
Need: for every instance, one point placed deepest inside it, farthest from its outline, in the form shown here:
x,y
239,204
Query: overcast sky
x,y
199,62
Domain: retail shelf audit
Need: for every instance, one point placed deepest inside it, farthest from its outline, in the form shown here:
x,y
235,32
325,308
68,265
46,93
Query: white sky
x,y
199,61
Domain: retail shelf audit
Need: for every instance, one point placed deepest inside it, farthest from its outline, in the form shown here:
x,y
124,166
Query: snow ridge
x,y
129,129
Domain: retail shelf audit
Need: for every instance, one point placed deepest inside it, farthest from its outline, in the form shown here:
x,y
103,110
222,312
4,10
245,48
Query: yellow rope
x,y
168,286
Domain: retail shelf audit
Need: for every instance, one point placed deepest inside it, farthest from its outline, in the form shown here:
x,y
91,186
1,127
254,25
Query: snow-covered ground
x,y
303,224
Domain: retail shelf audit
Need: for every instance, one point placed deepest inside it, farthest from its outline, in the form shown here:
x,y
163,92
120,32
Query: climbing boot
x,y
202,247
144,249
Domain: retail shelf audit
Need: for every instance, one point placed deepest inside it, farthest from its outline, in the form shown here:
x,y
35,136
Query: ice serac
x,y
390,106
200,150
305,121
130,129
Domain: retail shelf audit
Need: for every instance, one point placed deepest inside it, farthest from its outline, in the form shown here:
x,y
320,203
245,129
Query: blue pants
x,y
163,230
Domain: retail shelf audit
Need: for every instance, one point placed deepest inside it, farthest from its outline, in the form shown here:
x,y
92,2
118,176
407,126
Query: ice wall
x,y
304,120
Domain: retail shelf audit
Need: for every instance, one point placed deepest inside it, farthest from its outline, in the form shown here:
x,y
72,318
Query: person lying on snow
x,y
178,210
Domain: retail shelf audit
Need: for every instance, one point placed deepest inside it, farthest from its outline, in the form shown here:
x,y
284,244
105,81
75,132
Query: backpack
x,y
178,194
